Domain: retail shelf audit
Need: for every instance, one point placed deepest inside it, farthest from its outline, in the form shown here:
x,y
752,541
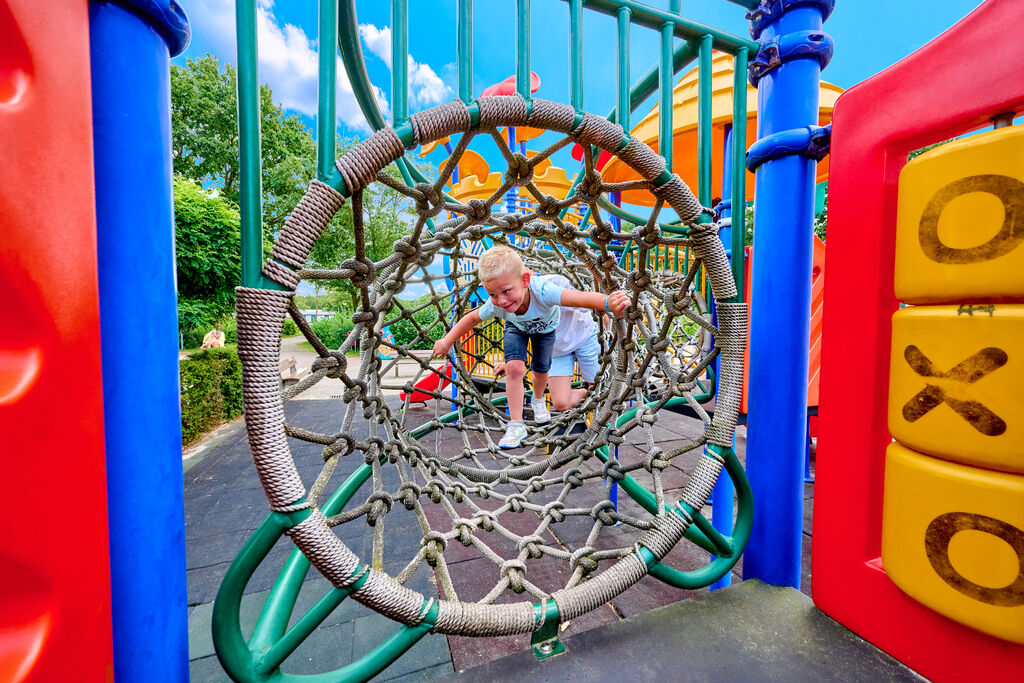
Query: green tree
x,y
204,129
387,216
208,253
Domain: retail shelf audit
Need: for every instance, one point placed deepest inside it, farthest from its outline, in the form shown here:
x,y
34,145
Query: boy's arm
x,y
616,302
464,325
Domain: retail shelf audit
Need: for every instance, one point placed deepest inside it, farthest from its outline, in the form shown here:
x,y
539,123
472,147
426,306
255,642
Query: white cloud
x,y
287,59
425,87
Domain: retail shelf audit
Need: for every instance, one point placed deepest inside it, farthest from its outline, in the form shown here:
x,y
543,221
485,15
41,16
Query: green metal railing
x,y
272,641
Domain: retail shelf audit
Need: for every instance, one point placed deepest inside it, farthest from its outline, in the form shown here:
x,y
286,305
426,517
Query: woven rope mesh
x,y
535,522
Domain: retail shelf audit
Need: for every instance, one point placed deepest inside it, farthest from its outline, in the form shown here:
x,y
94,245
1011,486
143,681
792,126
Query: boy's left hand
x,y
618,302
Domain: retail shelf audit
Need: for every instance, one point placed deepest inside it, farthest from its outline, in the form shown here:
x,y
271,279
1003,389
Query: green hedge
x,y
211,391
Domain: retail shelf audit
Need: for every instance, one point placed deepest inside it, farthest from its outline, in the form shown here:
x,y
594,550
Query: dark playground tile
x,y
372,630
208,550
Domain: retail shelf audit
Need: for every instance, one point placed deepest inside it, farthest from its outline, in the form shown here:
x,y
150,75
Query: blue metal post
x,y
780,308
724,491
131,45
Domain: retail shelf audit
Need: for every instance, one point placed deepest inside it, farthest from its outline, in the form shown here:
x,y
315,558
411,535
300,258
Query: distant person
x,y
214,339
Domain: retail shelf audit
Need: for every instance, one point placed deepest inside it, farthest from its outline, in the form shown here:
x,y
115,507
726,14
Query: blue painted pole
x,y
780,312
724,491
131,45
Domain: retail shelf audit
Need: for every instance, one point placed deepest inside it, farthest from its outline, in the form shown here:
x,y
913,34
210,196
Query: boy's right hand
x,y
441,348
618,301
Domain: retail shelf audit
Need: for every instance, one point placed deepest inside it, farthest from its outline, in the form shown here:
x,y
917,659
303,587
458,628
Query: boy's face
x,y
509,291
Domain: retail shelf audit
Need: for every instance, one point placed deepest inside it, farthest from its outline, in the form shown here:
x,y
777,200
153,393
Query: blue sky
x,y
869,35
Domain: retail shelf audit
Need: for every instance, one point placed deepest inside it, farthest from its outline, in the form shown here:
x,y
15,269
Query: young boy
x,y
576,345
530,307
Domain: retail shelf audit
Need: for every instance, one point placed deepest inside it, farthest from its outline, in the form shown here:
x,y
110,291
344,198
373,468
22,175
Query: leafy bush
x,y
230,328
192,338
290,328
211,391
333,331
405,331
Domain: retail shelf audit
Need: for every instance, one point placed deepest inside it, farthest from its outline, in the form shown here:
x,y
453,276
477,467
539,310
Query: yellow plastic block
x,y
953,539
956,383
960,221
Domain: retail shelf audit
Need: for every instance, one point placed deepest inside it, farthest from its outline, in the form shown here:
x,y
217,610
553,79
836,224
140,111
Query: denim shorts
x,y
588,356
540,344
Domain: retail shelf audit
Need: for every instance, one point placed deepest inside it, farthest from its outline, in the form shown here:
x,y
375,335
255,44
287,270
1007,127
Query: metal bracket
x,y
770,10
545,642
774,52
811,142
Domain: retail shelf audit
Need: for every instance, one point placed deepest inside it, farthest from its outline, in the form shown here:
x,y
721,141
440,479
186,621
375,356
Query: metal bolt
x,y
546,648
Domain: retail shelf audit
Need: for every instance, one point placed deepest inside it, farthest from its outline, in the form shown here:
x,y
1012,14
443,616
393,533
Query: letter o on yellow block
x,y
953,539
959,218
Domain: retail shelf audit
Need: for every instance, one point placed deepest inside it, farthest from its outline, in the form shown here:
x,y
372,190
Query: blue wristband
x,y
607,310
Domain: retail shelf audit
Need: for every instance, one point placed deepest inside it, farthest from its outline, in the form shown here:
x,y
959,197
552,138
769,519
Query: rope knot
x,y
516,501
600,512
536,484
519,170
548,207
380,505
435,490
408,495
410,252
485,520
512,224
448,238
514,571
362,270
613,470
532,545
433,545
590,187
583,559
477,211
458,492
464,527
554,511
655,461
574,478
603,234
430,203
364,317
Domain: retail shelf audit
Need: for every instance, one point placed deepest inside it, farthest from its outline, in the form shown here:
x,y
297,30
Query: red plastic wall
x,y
54,567
952,85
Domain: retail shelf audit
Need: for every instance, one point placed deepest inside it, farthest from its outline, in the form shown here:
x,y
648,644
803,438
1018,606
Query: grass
x,y
230,345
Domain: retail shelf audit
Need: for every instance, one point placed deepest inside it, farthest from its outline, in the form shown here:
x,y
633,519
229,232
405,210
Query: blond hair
x,y
499,260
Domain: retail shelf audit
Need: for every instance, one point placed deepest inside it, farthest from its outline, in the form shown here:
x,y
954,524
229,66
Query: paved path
x,y
224,503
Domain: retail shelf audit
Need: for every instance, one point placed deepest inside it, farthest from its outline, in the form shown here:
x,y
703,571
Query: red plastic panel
x,y
950,86
54,567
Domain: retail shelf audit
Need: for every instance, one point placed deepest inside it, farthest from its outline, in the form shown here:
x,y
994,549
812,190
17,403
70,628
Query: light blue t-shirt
x,y
543,314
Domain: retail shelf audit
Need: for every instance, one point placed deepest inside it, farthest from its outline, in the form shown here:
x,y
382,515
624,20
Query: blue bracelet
x,y
607,310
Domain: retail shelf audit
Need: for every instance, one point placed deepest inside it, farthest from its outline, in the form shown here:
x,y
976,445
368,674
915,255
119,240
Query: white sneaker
x,y
540,412
514,435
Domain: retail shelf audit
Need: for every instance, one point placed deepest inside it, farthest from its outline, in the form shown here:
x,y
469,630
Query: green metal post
x,y
465,22
523,48
576,54
704,122
399,62
665,85
739,168
326,122
622,109
250,197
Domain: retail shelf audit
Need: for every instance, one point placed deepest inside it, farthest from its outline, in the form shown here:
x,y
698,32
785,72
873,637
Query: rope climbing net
x,y
443,466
